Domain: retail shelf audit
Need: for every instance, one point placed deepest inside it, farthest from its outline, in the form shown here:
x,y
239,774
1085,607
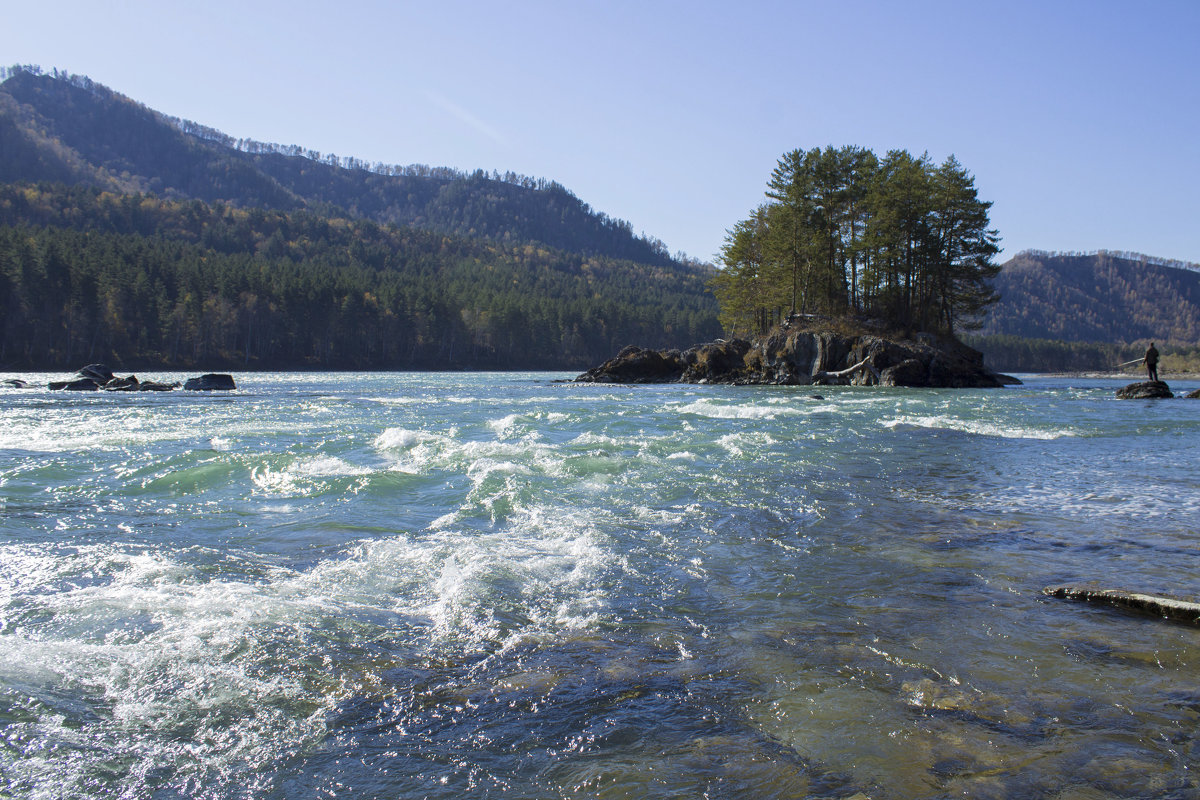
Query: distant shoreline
x,y
171,373
1132,377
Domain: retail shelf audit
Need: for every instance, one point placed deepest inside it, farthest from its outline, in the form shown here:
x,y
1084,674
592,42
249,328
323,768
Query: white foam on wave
x,y
540,574
543,571
120,651
279,483
758,411
403,439
304,476
820,408
112,423
660,516
480,470
328,467
505,425
421,452
518,424
412,451
736,444
54,433
592,438
980,427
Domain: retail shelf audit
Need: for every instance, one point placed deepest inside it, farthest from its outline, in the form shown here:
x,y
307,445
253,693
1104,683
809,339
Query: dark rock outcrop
x,y
98,376
90,378
909,372
15,383
637,365
1145,390
713,362
806,357
210,382
132,384
1193,395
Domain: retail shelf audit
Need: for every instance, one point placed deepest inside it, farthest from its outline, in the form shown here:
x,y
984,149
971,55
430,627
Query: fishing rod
x,y
1127,363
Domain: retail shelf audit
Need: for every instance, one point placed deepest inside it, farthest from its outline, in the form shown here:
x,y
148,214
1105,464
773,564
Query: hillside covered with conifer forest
x,y
148,241
1096,297
1091,311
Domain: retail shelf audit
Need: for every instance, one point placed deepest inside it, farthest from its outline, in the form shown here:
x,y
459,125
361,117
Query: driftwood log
x,y
1165,607
823,378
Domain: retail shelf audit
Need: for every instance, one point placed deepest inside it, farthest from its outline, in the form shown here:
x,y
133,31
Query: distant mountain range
x,y
1096,297
69,129
147,241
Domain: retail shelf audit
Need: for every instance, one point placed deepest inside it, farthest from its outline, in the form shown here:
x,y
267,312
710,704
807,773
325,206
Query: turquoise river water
x,y
503,585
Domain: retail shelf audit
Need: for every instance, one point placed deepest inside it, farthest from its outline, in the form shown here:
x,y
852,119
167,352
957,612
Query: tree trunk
x,y
824,377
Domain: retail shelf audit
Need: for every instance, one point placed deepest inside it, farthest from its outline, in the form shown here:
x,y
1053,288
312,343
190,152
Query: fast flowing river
x,y
498,585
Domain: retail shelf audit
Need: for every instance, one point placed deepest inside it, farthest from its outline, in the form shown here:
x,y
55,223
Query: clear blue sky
x,y
1080,120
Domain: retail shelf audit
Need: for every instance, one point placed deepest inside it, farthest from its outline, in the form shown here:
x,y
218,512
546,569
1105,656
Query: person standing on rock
x,y
1151,361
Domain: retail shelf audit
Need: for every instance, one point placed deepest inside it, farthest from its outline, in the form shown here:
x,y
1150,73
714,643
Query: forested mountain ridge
x,y
1097,297
151,242
143,282
67,128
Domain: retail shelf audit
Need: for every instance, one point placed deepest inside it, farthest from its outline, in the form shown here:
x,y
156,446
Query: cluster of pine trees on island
x,y
897,240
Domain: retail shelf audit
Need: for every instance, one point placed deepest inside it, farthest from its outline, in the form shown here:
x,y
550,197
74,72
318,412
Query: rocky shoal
x,y
96,377
807,357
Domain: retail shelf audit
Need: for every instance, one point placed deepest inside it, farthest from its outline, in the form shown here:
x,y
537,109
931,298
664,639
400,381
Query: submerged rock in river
x,y
98,376
807,357
1146,390
90,379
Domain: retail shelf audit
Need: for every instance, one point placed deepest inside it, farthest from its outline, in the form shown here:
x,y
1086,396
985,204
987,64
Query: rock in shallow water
x,y
1146,390
211,382
806,357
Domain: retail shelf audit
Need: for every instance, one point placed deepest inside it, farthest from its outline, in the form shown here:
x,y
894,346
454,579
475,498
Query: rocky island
x,y
793,355
850,255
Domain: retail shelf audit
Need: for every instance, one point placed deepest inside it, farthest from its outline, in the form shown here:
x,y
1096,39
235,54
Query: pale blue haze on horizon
x,y
1079,120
